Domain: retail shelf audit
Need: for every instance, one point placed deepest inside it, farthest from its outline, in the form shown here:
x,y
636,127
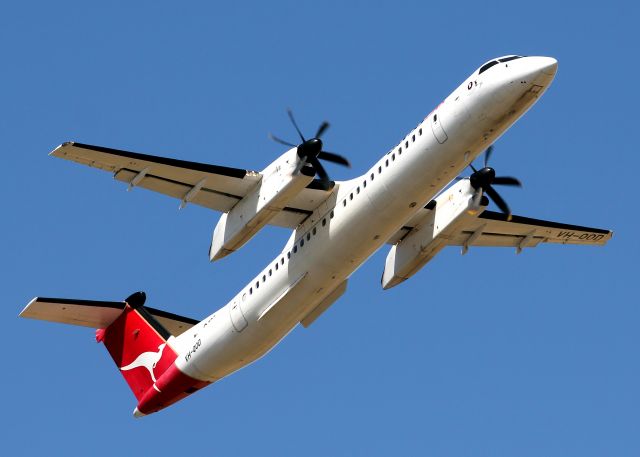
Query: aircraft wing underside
x,y
490,228
212,186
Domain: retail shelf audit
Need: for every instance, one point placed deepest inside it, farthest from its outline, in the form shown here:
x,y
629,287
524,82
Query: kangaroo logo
x,y
148,360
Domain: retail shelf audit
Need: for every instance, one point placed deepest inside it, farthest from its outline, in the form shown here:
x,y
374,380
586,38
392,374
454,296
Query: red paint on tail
x,y
140,352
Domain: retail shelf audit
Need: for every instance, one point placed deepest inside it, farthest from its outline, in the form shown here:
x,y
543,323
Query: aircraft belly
x,y
401,187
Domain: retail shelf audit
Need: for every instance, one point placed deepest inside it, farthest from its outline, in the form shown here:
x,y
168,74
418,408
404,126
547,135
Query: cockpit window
x,y
486,66
508,59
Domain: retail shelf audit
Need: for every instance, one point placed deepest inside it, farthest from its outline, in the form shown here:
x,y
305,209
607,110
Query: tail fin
x,y
137,343
135,336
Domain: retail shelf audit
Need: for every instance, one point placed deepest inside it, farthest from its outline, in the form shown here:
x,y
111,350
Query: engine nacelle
x,y
271,194
430,234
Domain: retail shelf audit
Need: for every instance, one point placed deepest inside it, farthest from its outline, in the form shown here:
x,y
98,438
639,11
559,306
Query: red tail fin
x,y
138,345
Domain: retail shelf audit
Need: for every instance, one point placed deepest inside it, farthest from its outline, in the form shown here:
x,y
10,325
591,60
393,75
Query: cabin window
x,y
324,221
302,242
406,144
393,156
289,255
420,131
372,176
351,196
400,150
250,290
281,260
295,249
264,278
276,266
344,202
364,183
413,138
331,215
386,163
269,271
257,284
380,169
358,190
308,236
314,231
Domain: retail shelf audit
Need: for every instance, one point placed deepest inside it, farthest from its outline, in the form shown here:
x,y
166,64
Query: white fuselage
x,y
360,217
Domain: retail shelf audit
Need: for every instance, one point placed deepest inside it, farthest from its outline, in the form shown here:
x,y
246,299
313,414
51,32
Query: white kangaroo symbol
x,y
147,360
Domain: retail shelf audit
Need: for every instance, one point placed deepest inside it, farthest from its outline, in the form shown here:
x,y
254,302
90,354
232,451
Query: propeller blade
x,y
497,199
293,121
507,181
323,128
322,174
477,197
487,155
300,165
473,168
278,140
335,158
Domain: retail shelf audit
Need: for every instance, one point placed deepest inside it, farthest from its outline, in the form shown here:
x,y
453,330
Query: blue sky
x,y
487,354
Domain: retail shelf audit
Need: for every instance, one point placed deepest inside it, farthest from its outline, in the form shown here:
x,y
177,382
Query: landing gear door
x,y
437,129
237,318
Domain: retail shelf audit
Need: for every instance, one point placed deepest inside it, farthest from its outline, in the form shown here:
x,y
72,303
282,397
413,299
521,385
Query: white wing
x,y
212,186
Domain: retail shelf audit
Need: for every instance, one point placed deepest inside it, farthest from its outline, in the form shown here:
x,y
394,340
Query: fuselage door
x,y
437,129
237,317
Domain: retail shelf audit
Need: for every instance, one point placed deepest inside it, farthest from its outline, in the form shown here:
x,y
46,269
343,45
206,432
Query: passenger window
x,y
358,190
269,271
393,157
386,163
351,196
364,183
264,278
372,176
400,150
289,255
420,131
257,284
413,138
295,249
344,202
380,169
281,260
276,266
314,231
308,236
324,221
250,290
406,144
331,215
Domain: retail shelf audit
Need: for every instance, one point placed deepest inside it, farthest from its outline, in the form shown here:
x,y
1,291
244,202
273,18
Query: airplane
x,y
411,199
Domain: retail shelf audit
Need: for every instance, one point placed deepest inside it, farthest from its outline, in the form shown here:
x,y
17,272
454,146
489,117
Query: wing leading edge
x,y
211,186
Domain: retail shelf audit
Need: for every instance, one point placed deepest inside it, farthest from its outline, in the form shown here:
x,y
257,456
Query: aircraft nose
x,y
545,65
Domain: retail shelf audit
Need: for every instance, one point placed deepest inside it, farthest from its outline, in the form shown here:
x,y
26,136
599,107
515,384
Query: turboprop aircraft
x,y
411,199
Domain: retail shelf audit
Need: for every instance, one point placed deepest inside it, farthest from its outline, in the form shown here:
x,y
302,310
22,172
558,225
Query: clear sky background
x,y
489,354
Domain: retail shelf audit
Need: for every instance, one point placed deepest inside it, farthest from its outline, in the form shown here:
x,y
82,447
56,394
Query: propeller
x,y
310,152
484,180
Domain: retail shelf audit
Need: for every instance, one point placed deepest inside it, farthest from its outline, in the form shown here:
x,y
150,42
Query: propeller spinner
x,y
310,152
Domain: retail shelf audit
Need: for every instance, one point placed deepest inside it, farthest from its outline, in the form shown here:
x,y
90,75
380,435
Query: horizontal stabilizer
x,y
96,314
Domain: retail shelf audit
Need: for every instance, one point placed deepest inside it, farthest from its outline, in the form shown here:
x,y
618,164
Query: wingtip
x,y
56,151
137,414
